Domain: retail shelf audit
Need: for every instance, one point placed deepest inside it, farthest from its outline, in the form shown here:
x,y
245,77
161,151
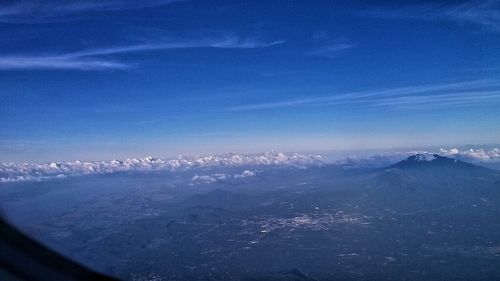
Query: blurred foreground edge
x,y
22,258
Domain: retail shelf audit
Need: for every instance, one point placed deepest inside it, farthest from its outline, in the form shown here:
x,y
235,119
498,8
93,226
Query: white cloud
x,y
206,178
57,62
62,10
421,96
333,50
451,151
98,59
211,178
245,174
485,14
473,155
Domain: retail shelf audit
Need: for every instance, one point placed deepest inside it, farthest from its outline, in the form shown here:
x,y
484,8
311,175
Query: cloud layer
x,y
12,172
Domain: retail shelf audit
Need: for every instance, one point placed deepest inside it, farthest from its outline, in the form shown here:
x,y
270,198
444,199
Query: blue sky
x,y
94,80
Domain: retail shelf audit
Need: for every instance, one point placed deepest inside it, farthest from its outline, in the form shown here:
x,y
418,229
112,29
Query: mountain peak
x,y
426,168
427,159
422,157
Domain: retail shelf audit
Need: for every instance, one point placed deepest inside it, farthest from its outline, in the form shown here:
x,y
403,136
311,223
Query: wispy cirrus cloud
x,y
332,50
99,58
65,61
225,42
428,96
61,10
328,46
485,14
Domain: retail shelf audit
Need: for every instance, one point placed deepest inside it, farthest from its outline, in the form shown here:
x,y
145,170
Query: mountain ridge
x,y
434,161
